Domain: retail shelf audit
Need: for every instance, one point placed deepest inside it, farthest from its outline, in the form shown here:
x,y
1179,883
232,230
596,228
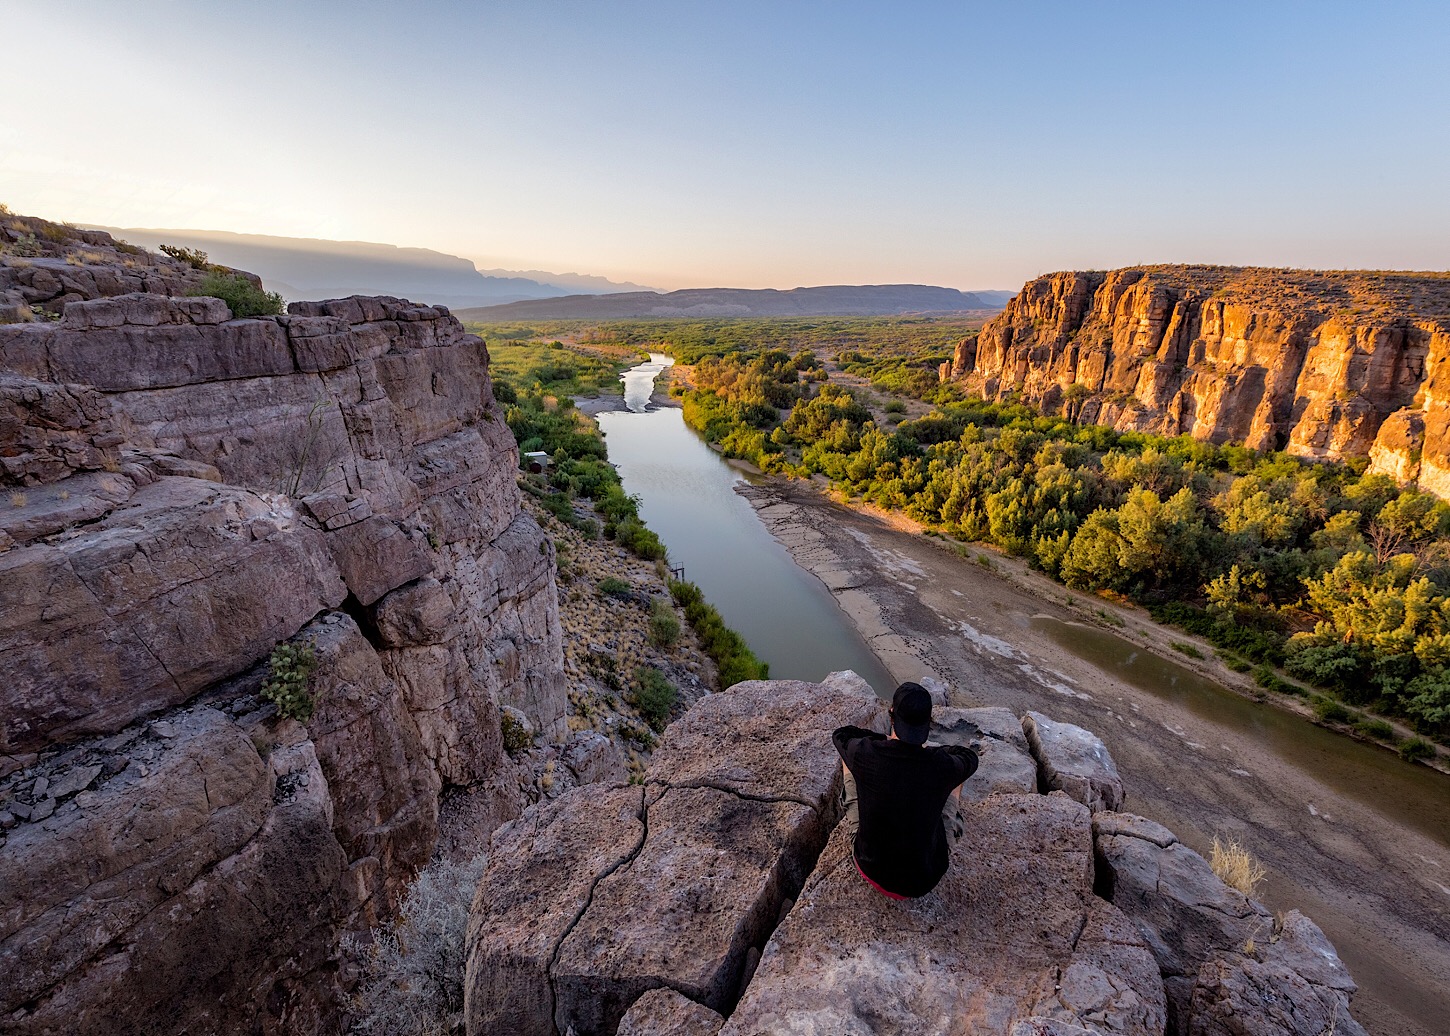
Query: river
x,y
687,496
1356,838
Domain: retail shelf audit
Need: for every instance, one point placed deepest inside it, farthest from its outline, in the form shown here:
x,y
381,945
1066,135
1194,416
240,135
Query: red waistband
x,y
878,888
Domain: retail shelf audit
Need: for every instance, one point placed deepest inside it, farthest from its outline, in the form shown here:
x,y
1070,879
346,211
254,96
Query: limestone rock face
x,y
188,491
1320,364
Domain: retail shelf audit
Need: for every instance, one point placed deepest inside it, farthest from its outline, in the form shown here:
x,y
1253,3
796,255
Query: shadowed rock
x,y
1219,951
663,1012
1004,762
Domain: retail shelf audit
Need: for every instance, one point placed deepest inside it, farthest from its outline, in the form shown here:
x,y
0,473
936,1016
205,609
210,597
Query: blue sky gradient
x,y
750,144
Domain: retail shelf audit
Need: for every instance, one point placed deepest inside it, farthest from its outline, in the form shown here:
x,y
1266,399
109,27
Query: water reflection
x,y
1413,795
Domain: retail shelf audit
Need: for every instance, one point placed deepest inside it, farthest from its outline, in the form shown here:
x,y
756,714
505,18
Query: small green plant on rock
x,y
613,586
288,683
516,736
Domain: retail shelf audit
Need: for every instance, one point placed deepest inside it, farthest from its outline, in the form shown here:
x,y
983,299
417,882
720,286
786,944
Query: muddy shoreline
x,y
1379,888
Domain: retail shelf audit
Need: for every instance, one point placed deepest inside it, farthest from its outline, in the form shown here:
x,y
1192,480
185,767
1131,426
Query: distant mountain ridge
x,y
837,300
312,268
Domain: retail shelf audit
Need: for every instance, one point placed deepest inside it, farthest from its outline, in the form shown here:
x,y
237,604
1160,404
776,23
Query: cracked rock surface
x,y
724,888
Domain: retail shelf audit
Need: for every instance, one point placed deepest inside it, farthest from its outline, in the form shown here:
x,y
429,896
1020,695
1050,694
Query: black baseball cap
x,y
911,713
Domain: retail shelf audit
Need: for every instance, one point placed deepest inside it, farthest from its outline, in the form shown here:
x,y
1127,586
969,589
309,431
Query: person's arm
x,y
843,737
967,760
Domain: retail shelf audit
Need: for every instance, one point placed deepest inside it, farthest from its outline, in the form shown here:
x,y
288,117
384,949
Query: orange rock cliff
x,y
1326,365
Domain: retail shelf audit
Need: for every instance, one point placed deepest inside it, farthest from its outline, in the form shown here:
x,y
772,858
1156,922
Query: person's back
x,y
901,786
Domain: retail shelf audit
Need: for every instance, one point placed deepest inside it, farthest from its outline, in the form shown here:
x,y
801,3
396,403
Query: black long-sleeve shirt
x,y
901,789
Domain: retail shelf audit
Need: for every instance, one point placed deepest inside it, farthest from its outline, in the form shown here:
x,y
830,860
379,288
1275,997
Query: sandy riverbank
x,y
1379,887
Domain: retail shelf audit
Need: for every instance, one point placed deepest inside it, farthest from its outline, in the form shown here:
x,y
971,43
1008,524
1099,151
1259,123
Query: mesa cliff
x,y
1325,365
185,491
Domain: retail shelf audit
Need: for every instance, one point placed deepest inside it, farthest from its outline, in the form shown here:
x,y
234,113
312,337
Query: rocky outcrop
x,y
1229,966
46,266
723,887
185,492
1325,365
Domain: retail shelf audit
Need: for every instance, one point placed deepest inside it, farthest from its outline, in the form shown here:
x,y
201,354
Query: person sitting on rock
x,y
899,790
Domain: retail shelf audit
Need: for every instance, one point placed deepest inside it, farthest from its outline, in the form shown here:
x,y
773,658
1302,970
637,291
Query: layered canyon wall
x,y
1325,365
182,492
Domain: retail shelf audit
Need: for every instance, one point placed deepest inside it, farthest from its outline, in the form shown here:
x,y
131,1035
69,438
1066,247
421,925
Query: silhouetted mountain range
x,y
827,301
308,268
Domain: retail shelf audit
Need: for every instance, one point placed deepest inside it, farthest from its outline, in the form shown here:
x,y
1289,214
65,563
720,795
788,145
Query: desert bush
x,y
664,626
653,695
1236,866
613,586
193,257
289,678
1377,729
413,971
1412,748
732,656
242,297
1329,710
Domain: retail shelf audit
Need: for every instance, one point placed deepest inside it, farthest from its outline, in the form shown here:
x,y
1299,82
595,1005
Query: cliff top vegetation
x,y
1401,293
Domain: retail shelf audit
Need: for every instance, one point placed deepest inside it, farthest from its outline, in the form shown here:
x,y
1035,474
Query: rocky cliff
x,y
1325,365
184,491
719,897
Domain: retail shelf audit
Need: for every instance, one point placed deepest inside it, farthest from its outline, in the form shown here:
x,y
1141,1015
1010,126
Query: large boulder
x,y
1073,760
664,1012
1229,966
210,877
1012,933
738,801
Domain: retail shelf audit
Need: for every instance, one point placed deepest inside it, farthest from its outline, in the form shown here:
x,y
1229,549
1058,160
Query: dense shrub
x,y
242,297
732,656
653,695
1412,748
613,586
664,626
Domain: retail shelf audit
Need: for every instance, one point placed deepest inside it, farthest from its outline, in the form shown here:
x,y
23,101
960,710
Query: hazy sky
x,y
748,143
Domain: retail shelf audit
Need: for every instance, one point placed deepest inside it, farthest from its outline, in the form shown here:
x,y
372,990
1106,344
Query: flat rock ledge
x,y
718,898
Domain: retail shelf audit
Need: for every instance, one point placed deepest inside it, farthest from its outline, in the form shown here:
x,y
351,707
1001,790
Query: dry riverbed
x,y
1378,886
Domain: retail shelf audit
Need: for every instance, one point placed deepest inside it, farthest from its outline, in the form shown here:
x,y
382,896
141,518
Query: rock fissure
x,y
628,858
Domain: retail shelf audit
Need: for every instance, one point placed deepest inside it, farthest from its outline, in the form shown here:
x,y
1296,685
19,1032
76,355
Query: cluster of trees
x,y
1340,576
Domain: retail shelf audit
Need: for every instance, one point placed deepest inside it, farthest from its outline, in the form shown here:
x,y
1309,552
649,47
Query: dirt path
x,y
1379,888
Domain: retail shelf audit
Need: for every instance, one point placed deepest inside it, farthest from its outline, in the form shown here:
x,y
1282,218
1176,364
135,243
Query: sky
x,y
749,144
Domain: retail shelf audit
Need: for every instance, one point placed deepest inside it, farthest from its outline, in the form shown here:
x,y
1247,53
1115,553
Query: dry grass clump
x,y
1236,866
17,500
